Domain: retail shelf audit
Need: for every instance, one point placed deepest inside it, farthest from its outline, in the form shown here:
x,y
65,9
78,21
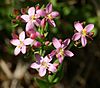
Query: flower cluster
x,y
36,20
32,18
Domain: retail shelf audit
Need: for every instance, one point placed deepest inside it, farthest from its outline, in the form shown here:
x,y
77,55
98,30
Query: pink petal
x,y
31,11
16,51
37,16
28,41
89,27
78,26
49,8
38,57
25,17
83,41
68,53
52,23
30,26
56,43
53,52
15,42
22,36
60,57
54,14
37,22
42,71
52,68
23,49
76,36
66,43
35,65
41,12
47,59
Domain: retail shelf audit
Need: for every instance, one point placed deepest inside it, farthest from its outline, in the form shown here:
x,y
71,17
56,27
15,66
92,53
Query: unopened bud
x,y
14,35
33,36
37,44
47,43
37,7
15,11
23,10
91,34
42,36
18,17
43,23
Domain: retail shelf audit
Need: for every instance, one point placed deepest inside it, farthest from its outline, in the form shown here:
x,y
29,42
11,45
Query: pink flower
x,y
49,15
82,32
31,19
21,43
33,34
43,64
60,49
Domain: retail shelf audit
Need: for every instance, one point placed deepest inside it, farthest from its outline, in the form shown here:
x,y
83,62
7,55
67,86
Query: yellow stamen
x,y
84,32
44,64
21,44
50,16
33,17
61,52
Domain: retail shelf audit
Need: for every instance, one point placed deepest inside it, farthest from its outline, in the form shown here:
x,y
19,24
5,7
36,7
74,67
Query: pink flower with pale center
x,y
21,43
43,64
61,50
49,15
82,32
31,19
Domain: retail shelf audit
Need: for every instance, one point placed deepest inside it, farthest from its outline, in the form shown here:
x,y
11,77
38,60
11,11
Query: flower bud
x,y
47,43
37,7
18,18
37,44
43,23
23,10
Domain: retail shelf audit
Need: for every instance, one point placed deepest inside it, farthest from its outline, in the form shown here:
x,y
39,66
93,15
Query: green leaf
x,y
15,25
42,6
41,83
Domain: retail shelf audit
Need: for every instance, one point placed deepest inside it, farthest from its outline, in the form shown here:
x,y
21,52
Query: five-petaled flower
x,y
82,32
60,49
49,15
21,43
32,18
43,64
